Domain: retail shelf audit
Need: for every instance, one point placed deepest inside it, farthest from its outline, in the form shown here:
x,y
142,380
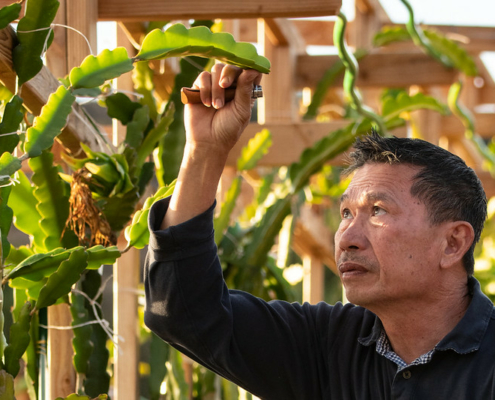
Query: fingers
x,y
212,84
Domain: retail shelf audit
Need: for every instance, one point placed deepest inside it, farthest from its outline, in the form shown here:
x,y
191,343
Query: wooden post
x,y
63,56
314,279
278,103
125,284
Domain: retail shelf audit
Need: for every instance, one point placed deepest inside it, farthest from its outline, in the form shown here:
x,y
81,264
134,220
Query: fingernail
x,y
218,103
226,82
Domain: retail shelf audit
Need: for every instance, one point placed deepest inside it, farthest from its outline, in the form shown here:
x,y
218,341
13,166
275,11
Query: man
x,y
411,216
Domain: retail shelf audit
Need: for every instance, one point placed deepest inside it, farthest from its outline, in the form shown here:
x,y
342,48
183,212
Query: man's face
x,y
385,247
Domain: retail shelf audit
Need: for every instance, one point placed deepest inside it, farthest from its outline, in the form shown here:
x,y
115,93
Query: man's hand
x,y
218,126
212,129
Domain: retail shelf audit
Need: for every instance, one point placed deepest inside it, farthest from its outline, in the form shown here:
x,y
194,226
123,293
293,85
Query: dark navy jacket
x,y
283,351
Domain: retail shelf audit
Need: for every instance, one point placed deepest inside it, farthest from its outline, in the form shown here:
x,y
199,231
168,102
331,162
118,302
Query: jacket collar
x,y
466,336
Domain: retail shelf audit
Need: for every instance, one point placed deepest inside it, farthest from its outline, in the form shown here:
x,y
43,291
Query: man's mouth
x,y
350,269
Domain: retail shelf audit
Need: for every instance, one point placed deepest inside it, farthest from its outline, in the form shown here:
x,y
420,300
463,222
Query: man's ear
x,y
459,236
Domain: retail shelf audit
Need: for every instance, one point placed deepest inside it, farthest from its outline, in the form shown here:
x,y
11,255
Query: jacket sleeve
x,y
275,350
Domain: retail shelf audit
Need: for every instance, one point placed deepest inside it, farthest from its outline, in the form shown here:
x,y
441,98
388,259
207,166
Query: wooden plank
x,y
373,7
56,55
366,23
83,16
61,373
283,32
125,283
311,237
278,103
154,10
313,280
68,53
378,70
35,94
290,140
484,123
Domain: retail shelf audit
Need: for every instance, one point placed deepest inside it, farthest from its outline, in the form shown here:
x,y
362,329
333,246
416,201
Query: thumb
x,y
244,89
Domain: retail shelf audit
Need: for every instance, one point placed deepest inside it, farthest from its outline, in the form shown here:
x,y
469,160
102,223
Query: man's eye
x,y
346,214
378,211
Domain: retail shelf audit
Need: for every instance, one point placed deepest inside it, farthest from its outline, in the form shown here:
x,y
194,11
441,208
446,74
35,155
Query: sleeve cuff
x,y
187,239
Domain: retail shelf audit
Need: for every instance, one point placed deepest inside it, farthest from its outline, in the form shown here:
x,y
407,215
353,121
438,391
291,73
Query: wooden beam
x,y
316,33
312,32
154,10
283,32
379,70
452,127
35,94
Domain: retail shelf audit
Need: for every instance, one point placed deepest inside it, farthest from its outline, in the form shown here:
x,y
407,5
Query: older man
x,y
420,329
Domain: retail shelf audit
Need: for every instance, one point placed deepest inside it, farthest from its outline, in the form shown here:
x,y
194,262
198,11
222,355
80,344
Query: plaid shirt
x,y
384,348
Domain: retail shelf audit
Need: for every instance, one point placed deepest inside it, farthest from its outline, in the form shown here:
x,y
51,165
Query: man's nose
x,y
352,236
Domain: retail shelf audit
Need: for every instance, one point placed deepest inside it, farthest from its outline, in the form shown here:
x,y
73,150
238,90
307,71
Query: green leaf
x,y
118,209
221,223
9,13
393,107
159,351
81,342
314,158
52,194
50,123
325,83
12,117
6,215
3,341
391,34
155,135
39,266
7,385
60,282
97,378
142,77
121,107
32,32
135,129
19,340
18,255
8,166
27,217
75,396
178,41
100,255
95,70
137,233
147,173
256,148
266,230
458,56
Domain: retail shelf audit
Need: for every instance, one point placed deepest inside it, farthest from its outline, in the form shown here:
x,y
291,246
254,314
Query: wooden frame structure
x,y
284,42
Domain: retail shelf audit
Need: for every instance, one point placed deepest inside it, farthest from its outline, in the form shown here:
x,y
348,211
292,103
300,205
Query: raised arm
x,y
212,129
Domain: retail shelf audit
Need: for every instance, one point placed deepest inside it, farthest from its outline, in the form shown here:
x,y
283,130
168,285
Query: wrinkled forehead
x,y
378,181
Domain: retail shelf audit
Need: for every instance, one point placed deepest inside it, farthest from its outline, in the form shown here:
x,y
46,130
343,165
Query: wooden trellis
x,y
284,42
